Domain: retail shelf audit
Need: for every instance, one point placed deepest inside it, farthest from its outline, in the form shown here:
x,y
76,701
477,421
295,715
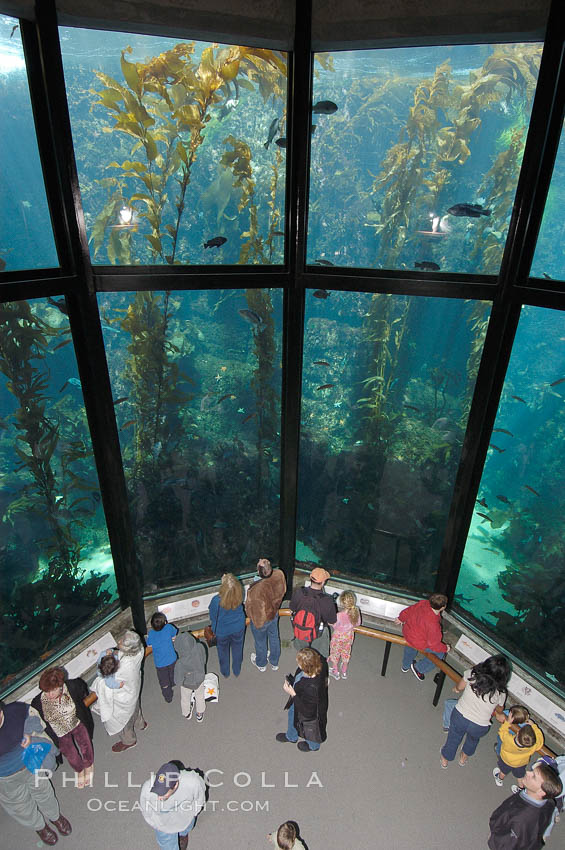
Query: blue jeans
x,y
291,732
267,634
170,840
235,643
458,728
424,665
448,707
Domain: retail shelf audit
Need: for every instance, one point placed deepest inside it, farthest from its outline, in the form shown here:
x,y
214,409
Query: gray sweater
x,y
190,668
175,814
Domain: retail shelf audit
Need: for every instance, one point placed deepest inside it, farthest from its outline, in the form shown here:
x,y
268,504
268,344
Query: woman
x,y
484,691
227,619
308,711
120,709
68,722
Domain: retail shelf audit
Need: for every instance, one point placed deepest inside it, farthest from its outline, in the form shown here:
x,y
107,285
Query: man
x,y
171,804
313,610
421,628
29,800
262,605
520,821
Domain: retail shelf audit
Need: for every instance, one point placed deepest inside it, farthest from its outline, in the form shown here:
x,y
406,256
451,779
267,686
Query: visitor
x,y
348,616
227,619
421,629
313,610
160,638
516,750
286,837
262,605
190,671
308,703
171,804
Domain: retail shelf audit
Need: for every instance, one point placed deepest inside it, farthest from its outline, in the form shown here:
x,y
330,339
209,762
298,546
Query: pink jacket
x,y
421,628
343,625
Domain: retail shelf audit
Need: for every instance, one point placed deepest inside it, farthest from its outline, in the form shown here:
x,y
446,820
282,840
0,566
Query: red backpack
x,y
305,624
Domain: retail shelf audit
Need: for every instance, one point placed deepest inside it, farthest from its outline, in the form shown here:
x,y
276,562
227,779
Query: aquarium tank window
x,y
386,392
196,379
416,154
180,148
26,235
56,570
512,579
549,258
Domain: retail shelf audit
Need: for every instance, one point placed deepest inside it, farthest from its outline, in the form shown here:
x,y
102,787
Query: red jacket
x,y
421,628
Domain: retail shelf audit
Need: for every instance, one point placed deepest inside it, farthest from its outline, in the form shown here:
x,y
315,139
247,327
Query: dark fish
x,y
14,28
560,381
482,585
325,386
517,397
60,304
412,407
96,496
547,276
127,424
531,489
324,107
273,130
484,516
278,232
61,344
2,264
281,142
224,397
216,242
121,400
502,431
321,363
247,418
253,319
469,210
482,503
323,263
321,293
496,448
427,266
504,499
313,129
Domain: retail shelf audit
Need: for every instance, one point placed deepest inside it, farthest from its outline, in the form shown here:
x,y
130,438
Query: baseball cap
x,y
167,776
320,575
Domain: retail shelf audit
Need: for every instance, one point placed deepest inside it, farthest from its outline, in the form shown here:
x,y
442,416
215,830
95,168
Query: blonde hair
x,y
309,661
347,602
286,835
231,592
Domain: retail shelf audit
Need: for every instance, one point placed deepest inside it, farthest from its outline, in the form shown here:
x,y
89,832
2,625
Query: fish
x,y
61,344
469,210
322,262
121,400
216,242
14,28
560,381
502,431
273,130
127,424
518,398
321,363
206,401
547,276
531,489
2,264
325,386
278,233
427,266
324,107
484,516
224,397
412,407
502,498
73,381
281,142
253,318
247,418
321,293
496,448
60,304
482,503
482,585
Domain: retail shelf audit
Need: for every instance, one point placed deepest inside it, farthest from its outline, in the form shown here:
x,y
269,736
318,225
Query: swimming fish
x,y
531,489
504,499
518,398
547,276
61,344
427,266
324,107
412,407
247,418
127,424
482,503
253,318
121,400
273,130
469,210
496,448
502,431
560,381
325,386
278,233
73,381
281,142
485,516
216,242
482,585
323,262
321,363
60,304
3,265
321,293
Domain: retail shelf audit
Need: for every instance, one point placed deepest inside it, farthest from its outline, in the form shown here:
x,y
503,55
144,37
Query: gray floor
x,y
376,782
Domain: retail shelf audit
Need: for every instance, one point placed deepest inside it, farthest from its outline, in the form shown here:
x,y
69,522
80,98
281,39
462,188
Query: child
x,y
161,636
285,837
521,716
516,750
348,617
190,670
421,628
108,664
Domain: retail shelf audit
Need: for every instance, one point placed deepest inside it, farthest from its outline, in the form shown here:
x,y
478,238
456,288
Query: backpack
x,y
305,624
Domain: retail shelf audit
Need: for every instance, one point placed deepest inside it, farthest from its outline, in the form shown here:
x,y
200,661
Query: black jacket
x,y
519,825
311,705
320,603
78,690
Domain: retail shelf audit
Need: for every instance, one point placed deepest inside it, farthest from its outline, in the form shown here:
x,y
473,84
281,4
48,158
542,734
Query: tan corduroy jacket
x,y
264,598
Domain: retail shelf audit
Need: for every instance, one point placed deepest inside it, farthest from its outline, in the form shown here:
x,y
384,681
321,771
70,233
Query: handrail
x,y
390,638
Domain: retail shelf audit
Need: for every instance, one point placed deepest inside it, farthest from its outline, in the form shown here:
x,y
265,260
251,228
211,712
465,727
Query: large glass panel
x,y
549,258
512,580
196,378
56,570
387,387
26,237
180,148
416,155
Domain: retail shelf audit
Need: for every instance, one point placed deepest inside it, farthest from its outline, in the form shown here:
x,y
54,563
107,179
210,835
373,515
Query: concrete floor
x,y
376,782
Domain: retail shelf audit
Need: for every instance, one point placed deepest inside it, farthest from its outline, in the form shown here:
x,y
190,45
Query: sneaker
x,y
497,779
446,729
253,656
405,669
274,666
334,674
282,739
303,747
515,789
344,675
121,748
191,709
418,675
199,717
